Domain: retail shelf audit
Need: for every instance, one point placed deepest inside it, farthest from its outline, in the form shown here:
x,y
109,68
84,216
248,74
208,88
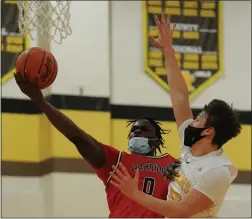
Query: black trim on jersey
x,y
117,163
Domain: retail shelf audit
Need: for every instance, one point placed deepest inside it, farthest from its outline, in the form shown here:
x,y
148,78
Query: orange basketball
x,y
38,61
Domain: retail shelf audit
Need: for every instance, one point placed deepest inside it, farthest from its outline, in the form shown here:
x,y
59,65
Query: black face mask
x,y
192,135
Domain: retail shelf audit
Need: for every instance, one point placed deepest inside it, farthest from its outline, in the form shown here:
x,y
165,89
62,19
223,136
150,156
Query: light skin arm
x,y
178,89
193,203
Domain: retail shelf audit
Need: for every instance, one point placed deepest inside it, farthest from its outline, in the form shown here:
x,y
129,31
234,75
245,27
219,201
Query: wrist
x,y
137,195
39,100
168,51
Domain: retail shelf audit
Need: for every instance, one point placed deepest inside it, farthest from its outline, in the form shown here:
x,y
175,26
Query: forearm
x,y
61,122
87,146
178,89
165,208
175,78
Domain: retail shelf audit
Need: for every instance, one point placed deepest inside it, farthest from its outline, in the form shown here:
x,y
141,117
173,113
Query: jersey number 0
x,y
148,185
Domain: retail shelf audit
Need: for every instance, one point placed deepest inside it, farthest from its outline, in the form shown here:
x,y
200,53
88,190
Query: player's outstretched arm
x,y
87,146
178,89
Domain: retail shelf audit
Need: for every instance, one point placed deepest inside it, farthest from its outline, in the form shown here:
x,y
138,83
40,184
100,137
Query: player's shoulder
x,y
109,147
218,170
220,173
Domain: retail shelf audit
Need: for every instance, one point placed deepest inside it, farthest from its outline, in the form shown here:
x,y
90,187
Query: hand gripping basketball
x,y
38,61
30,89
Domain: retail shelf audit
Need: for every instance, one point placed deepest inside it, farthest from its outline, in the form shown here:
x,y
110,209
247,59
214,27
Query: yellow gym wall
x,y
31,138
20,137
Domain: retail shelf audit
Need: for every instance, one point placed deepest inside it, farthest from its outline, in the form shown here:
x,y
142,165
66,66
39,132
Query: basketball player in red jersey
x,y
145,138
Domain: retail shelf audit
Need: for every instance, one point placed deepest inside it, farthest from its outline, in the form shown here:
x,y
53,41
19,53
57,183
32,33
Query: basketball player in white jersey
x,y
205,173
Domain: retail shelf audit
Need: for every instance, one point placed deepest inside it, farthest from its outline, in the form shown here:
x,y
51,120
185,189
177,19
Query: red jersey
x,y
151,181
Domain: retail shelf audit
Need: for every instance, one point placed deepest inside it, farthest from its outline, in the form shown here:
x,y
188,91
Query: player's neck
x,y
150,154
202,148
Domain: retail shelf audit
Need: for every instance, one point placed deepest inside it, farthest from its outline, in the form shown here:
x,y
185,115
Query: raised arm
x,y
88,147
178,90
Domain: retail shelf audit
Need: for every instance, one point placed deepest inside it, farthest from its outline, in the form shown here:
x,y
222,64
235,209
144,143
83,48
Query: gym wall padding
x,y
31,146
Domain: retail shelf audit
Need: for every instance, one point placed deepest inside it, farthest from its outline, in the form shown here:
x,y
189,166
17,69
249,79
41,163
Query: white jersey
x,y
210,174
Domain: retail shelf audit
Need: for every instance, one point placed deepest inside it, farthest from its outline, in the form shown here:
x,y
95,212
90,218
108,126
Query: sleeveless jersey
x,y
193,169
151,181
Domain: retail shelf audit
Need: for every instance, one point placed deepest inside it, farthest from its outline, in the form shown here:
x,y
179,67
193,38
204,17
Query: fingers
x,y
173,28
114,184
15,76
170,175
164,23
168,21
25,76
137,174
21,79
115,178
155,42
124,170
164,26
37,78
177,161
174,166
118,172
163,19
159,25
36,81
168,25
170,171
18,78
170,168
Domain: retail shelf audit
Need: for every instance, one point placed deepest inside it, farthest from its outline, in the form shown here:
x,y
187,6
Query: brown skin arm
x,y
170,170
90,149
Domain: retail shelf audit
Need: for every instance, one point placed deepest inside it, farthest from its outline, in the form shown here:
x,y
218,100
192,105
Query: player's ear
x,y
208,132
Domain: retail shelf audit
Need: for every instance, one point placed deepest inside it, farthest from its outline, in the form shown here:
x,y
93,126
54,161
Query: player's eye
x,y
133,129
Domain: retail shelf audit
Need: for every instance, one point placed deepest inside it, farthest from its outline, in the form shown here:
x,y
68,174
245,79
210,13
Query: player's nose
x,y
137,133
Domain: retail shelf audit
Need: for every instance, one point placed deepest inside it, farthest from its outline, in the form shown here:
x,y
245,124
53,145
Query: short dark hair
x,y
224,119
158,130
